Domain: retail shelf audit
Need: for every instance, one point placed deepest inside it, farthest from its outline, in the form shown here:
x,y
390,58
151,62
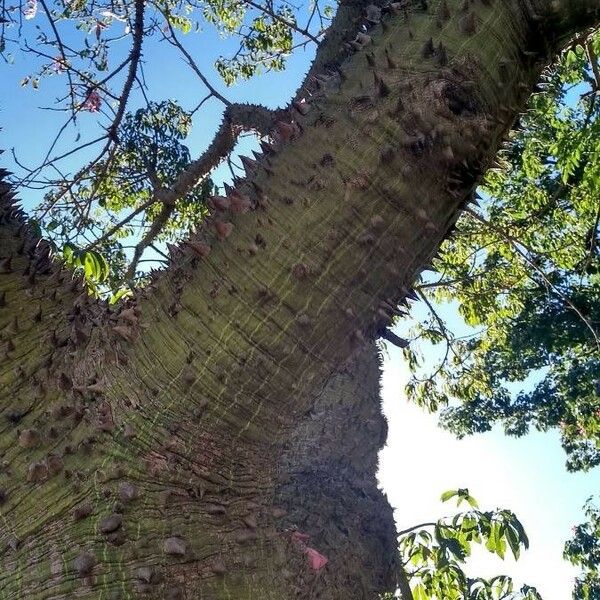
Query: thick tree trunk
x,y
186,445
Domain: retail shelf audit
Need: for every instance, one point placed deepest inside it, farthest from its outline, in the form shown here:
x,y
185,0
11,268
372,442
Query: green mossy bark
x,y
177,441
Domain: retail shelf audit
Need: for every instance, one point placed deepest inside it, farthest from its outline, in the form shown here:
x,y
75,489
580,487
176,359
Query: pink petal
x,y
316,560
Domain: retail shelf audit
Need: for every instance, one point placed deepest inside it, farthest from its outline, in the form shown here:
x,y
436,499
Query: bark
x,y
184,445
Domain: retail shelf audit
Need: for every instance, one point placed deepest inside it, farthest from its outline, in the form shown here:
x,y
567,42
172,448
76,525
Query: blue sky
x,y
527,475
420,461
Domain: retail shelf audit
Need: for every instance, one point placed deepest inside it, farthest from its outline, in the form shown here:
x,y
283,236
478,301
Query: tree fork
x,y
186,444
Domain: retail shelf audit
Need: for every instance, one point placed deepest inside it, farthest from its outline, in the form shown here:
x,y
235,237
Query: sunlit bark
x,y
184,445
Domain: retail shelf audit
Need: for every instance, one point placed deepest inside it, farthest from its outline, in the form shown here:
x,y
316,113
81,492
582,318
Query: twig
x,y
415,527
158,223
105,236
282,20
515,245
62,54
593,62
175,42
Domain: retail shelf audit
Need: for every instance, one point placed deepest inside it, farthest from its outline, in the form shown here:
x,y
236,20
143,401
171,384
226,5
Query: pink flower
x,y
315,559
30,9
60,64
92,102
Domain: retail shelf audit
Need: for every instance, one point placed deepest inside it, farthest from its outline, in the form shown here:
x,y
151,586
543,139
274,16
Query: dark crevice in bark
x,y
327,485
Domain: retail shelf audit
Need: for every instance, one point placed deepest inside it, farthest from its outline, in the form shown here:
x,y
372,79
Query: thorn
x,y
248,163
221,203
64,382
266,147
199,248
448,153
467,24
5,265
218,567
363,38
443,13
286,131
377,222
129,316
358,335
300,271
78,335
301,106
240,203
223,229
381,86
386,334
428,49
391,64
174,251
303,320
373,14
441,56
125,332
13,327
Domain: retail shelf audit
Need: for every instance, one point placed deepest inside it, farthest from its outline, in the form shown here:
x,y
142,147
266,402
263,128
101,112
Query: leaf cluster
x,y
524,272
433,555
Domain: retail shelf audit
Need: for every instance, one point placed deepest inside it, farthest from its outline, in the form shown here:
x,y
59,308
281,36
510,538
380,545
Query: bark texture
x,y
186,444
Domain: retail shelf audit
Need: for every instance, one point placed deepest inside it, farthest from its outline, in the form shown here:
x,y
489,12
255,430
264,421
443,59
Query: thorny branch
x,y
238,118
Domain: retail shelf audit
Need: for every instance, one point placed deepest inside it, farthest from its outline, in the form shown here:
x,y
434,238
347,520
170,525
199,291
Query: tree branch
x,y
593,62
282,20
404,584
135,55
236,119
415,527
515,245
175,42
158,223
122,222
62,53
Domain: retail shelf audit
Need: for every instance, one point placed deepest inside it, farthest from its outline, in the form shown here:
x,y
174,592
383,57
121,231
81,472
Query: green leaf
x,y
419,592
448,494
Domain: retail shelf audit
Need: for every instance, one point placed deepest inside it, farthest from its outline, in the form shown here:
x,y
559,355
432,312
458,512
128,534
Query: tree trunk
x,y
185,445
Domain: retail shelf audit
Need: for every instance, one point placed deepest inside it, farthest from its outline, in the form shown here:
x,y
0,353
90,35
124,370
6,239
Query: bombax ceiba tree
x,y
216,436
